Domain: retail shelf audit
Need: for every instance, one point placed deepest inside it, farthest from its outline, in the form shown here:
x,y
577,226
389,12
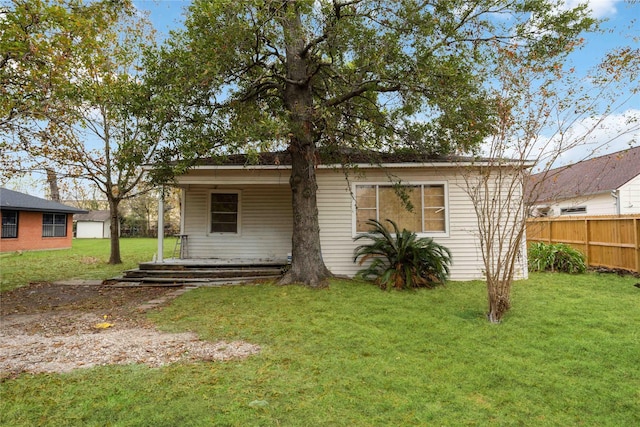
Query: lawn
x,y
352,355
87,259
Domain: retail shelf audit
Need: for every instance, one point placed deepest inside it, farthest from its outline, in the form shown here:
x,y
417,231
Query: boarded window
x,y
417,208
54,225
9,224
224,213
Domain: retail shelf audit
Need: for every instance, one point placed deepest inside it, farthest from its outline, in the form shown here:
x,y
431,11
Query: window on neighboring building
x,y
382,202
224,212
9,224
54,225
573,211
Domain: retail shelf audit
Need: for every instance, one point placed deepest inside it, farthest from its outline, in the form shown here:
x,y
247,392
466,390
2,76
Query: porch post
x,y
160,257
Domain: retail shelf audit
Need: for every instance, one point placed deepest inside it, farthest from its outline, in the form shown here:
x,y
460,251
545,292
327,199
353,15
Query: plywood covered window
x,y
428,212
224,212
54,225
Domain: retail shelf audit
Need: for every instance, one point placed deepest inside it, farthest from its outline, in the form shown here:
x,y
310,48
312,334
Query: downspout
x,y
160,257
616,195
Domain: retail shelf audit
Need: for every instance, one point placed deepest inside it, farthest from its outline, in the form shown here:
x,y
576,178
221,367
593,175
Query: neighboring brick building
x,y
32,223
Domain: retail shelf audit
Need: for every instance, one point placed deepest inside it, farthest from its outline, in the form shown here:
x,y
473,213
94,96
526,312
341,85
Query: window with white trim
x,y
54,225
9,224
382,202
224,209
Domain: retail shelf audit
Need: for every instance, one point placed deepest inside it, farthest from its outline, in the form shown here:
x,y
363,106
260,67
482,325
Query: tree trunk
x,y
307,266
114,257
499,300
52,179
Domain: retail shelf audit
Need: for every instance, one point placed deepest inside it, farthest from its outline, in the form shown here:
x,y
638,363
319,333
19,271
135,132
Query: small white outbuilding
x,y
93,225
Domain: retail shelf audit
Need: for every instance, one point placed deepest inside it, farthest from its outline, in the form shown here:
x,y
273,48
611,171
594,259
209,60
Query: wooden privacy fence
x,y
607,241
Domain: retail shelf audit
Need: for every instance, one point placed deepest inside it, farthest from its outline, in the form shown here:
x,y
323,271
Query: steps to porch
x,y
200,272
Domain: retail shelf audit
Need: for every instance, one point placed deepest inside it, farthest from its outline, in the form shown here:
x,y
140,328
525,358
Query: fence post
x,y
587,239
636,233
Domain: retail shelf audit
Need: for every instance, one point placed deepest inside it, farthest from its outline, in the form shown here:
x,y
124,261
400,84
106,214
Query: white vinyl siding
x,y
336,204
630,197
264,215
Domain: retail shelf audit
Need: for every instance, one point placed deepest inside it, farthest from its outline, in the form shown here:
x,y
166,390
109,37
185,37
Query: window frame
x,y
16,224
573,210
55,226
238,231
421,184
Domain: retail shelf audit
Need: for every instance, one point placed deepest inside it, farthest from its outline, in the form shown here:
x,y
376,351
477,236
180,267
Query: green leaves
x,y
401,260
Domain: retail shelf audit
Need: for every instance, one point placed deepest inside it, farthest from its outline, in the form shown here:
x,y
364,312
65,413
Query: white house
x,y
93,225
605,185
235,210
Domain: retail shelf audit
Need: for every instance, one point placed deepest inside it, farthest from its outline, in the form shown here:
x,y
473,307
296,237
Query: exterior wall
x,y
630,197
92,230
598,204
265,223
266,216
30,235
336,216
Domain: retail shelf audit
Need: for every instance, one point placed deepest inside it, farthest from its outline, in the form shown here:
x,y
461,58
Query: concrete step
x,y
204,273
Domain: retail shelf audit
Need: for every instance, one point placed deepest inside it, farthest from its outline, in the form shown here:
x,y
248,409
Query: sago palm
x,y
401,260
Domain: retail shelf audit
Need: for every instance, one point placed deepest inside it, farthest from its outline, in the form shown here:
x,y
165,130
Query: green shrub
x,y
402,260
556,257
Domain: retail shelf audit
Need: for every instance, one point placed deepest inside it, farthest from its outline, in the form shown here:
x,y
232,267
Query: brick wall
x,y
30,235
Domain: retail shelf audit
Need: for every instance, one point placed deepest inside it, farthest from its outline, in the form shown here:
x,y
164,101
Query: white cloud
x,y
598,8
592,137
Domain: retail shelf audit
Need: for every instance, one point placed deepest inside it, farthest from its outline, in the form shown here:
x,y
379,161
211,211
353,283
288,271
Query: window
x,y
54,225
9,224
382,202
574,210
224,212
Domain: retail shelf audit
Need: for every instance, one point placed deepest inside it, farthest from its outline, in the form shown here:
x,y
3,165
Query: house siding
x,y
266,216
30,235
597,204
630,197
335,206
265,223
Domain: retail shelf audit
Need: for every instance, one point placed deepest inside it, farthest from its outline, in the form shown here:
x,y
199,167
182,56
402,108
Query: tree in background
x,y
334,76
544,111
90,121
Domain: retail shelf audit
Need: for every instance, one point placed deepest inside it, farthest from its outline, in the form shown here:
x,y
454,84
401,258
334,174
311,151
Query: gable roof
x,y
93,216
593,176
14,200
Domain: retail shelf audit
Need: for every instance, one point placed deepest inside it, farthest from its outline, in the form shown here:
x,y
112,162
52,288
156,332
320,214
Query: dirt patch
x,y
49,327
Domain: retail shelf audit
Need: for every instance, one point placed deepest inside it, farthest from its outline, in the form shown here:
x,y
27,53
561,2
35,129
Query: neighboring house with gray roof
x,y
605,185
93,225
33,223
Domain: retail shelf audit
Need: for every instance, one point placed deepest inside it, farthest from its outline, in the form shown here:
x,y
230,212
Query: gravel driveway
x,y
58,327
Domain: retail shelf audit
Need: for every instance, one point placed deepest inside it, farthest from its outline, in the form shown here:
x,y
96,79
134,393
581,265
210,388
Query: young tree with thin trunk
x,y
90,123
544,111
326,76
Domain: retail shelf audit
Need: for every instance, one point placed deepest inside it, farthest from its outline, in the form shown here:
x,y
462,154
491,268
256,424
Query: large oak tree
x,y
310,76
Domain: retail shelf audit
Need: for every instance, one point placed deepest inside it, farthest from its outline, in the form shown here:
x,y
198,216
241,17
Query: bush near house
x,y
556,257
402,260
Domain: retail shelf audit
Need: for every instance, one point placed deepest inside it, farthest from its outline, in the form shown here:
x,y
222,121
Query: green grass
x,y
87,259
352,355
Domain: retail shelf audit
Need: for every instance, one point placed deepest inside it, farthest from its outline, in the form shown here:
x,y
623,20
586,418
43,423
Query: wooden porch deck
x,y
201,272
